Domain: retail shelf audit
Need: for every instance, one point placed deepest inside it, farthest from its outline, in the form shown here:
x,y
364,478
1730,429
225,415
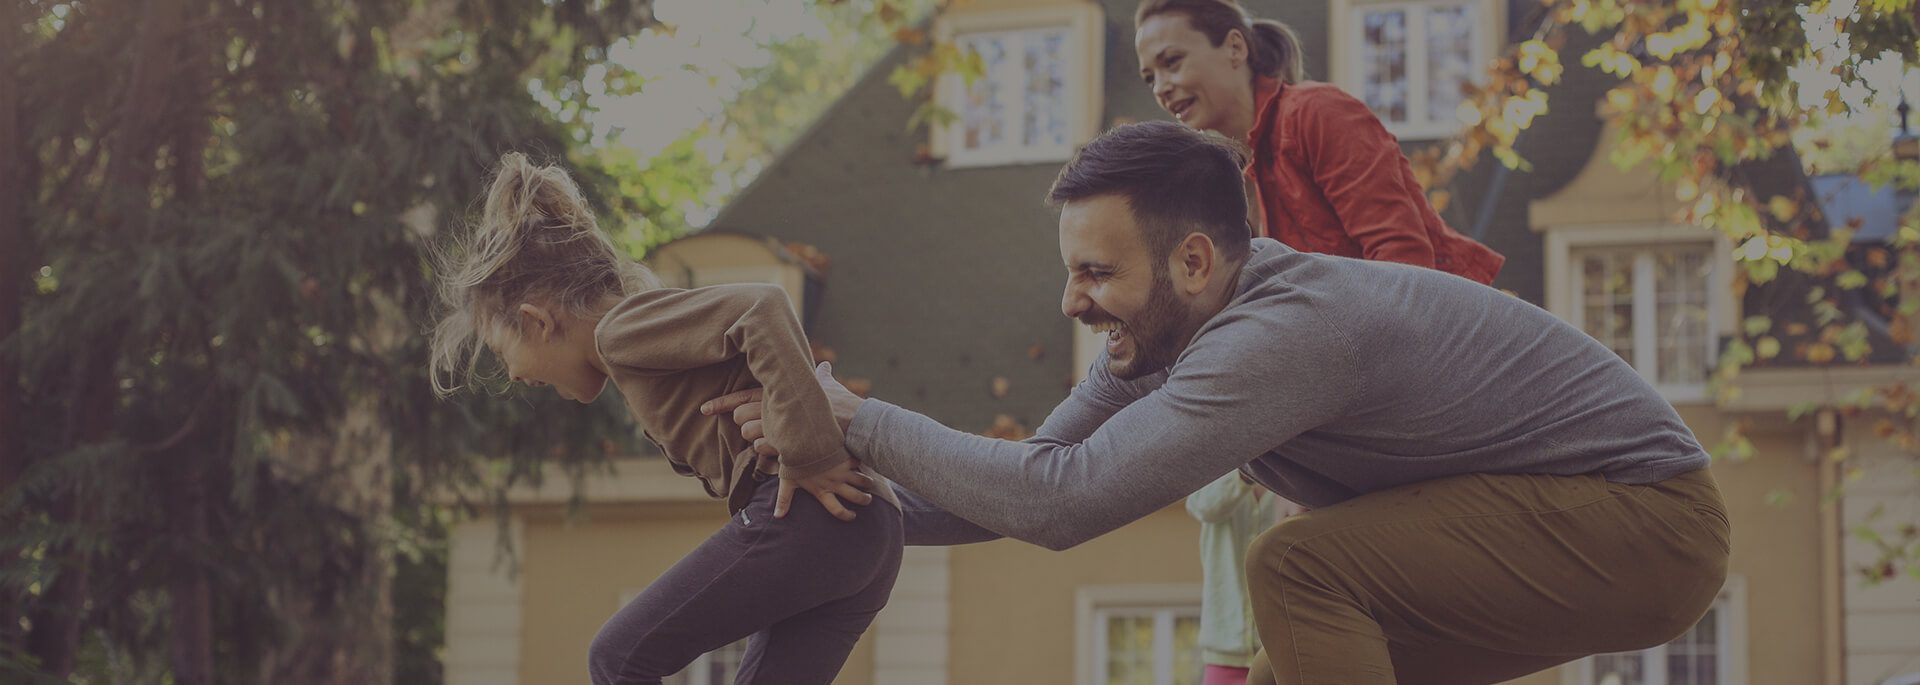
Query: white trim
x,y
1732,651
1349,44
483,603
1090,604
911,634
1084,51
1564,287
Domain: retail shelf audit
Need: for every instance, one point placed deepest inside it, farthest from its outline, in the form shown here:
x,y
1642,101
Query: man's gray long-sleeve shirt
x,y
1325,378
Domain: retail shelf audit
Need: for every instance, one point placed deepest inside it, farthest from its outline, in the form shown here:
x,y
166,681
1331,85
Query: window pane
x,y
1383,64
1620,669
1607,299
1187,668
1046,102
1680,296
1130,650
1449,60
983,114
1694,659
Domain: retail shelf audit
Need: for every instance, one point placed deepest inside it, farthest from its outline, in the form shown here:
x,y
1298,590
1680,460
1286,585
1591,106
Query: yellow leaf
x,y
1783,207
1440,199
1820,353
1767,347
1663,83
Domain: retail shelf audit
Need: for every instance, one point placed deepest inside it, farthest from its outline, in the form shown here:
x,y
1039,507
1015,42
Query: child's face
x,y
551,348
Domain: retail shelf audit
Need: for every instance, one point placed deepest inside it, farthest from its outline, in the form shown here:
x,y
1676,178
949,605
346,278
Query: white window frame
x,y
1095,603
1732,629
1350,47
1084,50
1564,288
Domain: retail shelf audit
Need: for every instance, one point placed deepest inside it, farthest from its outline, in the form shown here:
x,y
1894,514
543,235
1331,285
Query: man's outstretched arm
x,y
1234,396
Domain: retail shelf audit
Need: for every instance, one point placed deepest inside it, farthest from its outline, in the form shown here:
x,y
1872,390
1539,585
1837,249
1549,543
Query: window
x,y
1409,60
1650,305
1037,98
1713,653
1140,635
1656,296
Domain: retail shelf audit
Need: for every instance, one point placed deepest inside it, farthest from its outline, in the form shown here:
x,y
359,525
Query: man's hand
x,y
842,482
748,411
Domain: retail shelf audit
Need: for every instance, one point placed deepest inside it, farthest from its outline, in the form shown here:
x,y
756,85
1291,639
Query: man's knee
x,y
1274,555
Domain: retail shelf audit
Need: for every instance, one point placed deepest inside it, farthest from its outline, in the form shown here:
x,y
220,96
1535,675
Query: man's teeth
x,y
1108,327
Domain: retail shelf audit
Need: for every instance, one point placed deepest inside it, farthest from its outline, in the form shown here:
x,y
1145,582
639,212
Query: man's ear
x,y
1192,263
537,322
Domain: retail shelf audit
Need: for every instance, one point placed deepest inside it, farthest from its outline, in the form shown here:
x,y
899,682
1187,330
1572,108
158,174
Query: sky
x,y
693,71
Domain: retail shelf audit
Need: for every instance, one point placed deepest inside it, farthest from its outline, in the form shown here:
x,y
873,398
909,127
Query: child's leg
x,y
812,646
752,574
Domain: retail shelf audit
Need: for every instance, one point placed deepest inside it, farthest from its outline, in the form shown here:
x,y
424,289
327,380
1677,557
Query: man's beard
x,y
1156,332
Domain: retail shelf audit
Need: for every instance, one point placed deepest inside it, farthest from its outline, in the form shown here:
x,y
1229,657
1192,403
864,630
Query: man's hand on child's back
x,y
833,487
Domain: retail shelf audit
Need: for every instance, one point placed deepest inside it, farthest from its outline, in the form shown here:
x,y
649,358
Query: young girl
x,y
541,287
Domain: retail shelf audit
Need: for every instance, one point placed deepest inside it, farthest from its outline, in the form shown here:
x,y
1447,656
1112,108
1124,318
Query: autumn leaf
x,y
1819,353
1783,208
1001,386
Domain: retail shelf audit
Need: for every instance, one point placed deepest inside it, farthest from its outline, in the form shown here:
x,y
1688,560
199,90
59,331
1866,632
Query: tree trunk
x,y
13,228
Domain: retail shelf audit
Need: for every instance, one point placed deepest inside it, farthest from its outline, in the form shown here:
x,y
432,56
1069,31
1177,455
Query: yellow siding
x,y
1013,603
576,573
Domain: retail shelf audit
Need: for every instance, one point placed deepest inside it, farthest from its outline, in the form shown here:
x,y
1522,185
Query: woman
x,y
1328,175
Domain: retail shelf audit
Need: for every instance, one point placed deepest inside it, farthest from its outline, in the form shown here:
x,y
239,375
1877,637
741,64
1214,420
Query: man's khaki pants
x,y
1483,578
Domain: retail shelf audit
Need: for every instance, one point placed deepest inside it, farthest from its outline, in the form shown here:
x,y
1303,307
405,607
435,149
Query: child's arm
x,y
675,330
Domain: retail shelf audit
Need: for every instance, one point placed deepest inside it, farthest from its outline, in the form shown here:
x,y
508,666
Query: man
x,y
1493,491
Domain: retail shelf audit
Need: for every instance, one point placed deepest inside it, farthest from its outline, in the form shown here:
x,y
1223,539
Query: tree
x,y
222,206
1709,99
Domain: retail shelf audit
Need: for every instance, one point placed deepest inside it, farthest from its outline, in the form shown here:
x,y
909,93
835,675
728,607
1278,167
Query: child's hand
x,y
842,482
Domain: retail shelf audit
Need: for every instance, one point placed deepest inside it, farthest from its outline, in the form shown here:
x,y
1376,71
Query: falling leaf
x,y
1007,428
859,386
822,353
1001,386
1036,351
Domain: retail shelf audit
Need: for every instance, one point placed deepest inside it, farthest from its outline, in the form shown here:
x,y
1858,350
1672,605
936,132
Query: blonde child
x,y
538,285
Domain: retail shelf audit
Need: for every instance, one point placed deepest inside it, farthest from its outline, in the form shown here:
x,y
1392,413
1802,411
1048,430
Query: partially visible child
x,y
558,305
1231,510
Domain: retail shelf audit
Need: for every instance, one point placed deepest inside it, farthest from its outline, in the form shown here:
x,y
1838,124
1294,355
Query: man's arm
x,y
1244,388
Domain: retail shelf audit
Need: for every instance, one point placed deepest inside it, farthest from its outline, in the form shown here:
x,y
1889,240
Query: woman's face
x,y
1199,83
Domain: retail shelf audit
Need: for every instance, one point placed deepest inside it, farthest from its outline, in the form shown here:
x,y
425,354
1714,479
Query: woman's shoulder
x,y
1317,95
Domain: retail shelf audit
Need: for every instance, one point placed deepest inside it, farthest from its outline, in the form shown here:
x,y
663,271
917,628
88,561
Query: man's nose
x,y
1073,303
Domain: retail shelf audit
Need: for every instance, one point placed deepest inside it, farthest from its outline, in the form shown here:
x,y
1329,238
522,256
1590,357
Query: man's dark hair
x,y
1176,180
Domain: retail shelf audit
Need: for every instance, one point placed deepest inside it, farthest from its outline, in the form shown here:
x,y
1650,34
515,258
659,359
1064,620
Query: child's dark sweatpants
x,y
804,587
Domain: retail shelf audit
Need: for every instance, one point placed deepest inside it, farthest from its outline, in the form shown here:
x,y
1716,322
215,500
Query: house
x,y
941,296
